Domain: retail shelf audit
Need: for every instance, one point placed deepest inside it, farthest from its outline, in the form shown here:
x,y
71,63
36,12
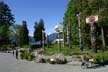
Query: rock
x,y
58,58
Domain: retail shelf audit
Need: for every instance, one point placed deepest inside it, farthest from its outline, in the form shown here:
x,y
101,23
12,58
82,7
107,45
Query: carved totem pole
x,y
92,21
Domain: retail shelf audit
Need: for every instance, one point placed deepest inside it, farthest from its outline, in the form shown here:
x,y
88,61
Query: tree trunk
x,y
103,38
69,36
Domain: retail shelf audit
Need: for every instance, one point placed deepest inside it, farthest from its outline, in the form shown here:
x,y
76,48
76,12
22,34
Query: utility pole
x,y
80,32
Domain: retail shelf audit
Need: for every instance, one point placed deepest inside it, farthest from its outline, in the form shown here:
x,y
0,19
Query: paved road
x,y
8,63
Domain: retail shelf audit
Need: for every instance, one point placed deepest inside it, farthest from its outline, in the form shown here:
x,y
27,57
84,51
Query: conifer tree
x,y
23,38
6,20
39,27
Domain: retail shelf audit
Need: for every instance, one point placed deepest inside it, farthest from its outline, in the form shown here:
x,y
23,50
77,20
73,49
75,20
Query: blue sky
x,y
51,11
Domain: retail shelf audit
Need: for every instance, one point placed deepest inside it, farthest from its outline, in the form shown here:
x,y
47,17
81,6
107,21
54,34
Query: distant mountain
x,y
13,38
31,39
52,36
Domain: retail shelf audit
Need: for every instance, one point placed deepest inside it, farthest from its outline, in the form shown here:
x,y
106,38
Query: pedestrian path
x,y
8,63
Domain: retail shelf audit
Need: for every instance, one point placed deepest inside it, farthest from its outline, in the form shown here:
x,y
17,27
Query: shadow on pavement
x,y
96,66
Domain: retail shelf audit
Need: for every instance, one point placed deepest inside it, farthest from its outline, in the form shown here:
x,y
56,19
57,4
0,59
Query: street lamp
x,y
59,30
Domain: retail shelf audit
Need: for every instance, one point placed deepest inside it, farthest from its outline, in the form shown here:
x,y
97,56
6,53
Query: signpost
x,y
92,21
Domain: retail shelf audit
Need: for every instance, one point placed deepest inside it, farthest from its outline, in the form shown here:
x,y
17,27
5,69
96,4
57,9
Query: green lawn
x,y
65,50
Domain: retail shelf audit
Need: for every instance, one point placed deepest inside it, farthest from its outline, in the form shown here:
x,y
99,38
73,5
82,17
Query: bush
x,y
100,58
27,46
41,51
4,48
27,55
11,46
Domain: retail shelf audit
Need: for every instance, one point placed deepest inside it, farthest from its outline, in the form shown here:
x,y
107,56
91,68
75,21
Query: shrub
x,y
25,54
4,47
11,46
100,58
41,51
27,46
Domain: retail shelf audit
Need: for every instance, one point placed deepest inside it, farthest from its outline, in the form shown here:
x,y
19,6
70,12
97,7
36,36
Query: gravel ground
x,y
8,63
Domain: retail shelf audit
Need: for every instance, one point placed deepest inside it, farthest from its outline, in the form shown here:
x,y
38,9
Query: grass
x,y
75,50
65,50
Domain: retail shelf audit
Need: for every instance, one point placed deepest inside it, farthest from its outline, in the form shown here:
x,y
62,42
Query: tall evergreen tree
x,y
39,27
6,20
23,38
36,36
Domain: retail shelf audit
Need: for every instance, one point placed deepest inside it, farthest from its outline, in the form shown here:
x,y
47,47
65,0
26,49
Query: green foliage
x,y
6,16
23,38
11,46
86,8
26,46
4,37
65,50
4,47
25,54
39,27
101,57
70,20
41,51
6,20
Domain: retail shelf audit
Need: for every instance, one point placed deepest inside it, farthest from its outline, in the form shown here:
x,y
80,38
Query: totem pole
x,y
92,21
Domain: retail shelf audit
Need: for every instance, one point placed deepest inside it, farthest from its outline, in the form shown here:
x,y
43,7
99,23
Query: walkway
x,y
8,63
